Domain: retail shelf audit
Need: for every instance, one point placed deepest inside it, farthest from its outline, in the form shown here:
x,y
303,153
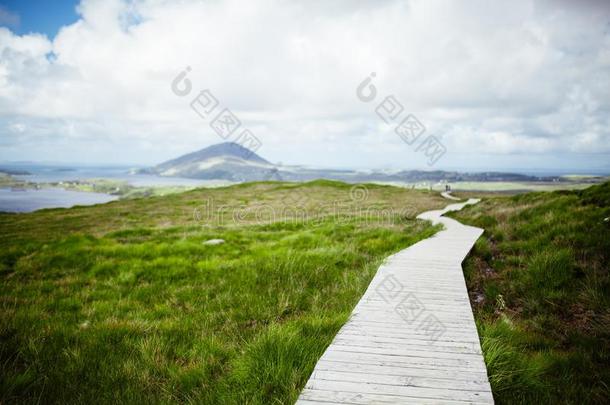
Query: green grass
x,y
123,302
540,287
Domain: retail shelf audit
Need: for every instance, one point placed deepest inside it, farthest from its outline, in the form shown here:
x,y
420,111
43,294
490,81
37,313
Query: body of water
x,y
48,174
32,200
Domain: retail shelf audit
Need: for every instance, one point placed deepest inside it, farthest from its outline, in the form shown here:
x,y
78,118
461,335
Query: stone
x,y
214,242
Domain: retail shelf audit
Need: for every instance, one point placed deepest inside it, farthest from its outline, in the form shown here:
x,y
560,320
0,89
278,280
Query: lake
x,y
32,200
50,173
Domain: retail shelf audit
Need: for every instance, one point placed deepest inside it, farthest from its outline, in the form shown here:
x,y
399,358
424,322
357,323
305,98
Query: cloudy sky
x,y
521,84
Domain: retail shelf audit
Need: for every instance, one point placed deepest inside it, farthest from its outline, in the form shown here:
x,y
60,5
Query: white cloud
x,y
497,81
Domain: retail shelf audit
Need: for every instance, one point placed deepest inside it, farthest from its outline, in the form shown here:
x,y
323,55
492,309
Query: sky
x,y
37,16
326,83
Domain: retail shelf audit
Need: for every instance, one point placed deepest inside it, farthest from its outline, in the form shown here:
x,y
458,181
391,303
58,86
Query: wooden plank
x,y
422,351
412,331
412,336
373,358
421,372
405,391
443,347
377,341
413,379
343,397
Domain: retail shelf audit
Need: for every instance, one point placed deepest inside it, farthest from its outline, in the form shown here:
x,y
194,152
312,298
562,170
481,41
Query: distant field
x,y
575,182
515,186
123,302
540,287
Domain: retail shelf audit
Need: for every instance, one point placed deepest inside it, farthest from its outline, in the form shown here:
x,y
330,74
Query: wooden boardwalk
x,y
447,195
412,337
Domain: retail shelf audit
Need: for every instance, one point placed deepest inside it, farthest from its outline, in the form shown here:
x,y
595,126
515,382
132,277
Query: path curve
x,y
411,338
447,195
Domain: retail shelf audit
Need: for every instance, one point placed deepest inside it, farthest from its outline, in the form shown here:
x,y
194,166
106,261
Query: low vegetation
x,y
124,302
540,288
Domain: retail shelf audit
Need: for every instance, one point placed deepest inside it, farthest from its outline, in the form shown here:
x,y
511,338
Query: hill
x,y
224,161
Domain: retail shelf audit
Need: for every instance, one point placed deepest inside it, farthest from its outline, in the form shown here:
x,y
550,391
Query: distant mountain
x,y
231,161
221,150
224,161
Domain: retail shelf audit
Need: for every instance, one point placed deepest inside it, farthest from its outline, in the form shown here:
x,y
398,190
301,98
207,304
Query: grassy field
x,y
123,302
539,284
